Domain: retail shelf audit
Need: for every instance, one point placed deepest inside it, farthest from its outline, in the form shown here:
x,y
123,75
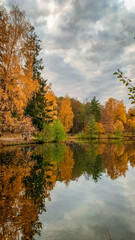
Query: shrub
x,y
52,132
58,131
46,135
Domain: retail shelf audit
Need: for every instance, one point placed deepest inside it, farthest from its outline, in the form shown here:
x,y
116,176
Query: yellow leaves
x,y
131,119
131,123
120,111
131,112
66,115
51,101
118,126
99,128
17,85
114,111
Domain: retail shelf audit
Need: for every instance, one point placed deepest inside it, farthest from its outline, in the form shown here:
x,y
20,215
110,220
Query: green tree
x,y
58,131
95,109
36,106
91,127
46,134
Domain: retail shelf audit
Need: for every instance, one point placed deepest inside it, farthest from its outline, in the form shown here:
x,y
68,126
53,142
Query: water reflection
x,y
28,176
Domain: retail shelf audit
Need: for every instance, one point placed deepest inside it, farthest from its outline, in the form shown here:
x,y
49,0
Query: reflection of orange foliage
x,y
101,149
115,160
131,155
67,165
18,213
50,175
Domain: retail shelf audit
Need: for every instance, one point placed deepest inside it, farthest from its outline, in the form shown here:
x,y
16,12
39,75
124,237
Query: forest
x,y
29,108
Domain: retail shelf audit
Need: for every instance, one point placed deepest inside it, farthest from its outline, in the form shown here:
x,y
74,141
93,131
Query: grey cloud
x,y
90,39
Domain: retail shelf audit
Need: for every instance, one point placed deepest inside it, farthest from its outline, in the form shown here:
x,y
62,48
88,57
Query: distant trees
x,y
113,111
78,109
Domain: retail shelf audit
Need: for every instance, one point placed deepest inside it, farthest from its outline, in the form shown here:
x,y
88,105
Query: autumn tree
x,y
66,115
131,119
17,84
118,127
51,104
99,128
114,110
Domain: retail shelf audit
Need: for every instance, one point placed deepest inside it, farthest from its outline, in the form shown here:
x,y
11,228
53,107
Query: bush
x,y
52,133
58,131
46,135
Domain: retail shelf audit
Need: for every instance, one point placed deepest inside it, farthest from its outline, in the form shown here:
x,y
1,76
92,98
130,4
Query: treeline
x,y
27,103
92,120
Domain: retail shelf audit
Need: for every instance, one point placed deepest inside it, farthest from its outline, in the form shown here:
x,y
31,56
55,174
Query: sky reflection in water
x,y
80,191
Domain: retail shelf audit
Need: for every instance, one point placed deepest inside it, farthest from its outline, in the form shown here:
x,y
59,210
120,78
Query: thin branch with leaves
x,y
128,83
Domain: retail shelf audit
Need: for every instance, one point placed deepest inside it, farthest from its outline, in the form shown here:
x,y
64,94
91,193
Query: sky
x,y
83,43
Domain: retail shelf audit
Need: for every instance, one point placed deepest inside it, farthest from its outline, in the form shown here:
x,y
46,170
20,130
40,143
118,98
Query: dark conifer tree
x,y
95,109
36,106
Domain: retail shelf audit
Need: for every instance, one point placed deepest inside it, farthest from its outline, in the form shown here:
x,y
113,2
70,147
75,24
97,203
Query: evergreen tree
x,y
91,126
36,106
95,109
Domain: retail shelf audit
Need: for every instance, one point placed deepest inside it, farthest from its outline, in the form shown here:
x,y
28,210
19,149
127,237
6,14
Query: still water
x,y
79,191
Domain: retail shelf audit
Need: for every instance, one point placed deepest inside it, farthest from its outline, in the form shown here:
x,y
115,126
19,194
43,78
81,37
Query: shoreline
x,y
14,141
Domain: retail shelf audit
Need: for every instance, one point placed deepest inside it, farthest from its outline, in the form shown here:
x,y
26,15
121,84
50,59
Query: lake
x,y
75,191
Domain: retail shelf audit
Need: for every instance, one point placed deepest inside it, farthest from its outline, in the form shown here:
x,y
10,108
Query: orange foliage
x,y
131,119
18,212
51,101
118,126
66,115
99,128
17,85
114,110
115,159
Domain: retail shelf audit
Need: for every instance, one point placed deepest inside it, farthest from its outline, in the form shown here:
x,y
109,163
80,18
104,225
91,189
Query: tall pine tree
x,y
36,106
95,109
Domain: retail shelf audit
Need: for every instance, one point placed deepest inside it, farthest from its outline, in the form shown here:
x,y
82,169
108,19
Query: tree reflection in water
x,y
29,174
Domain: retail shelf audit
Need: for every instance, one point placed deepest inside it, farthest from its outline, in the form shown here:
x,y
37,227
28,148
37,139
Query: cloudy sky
x,y
83,43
